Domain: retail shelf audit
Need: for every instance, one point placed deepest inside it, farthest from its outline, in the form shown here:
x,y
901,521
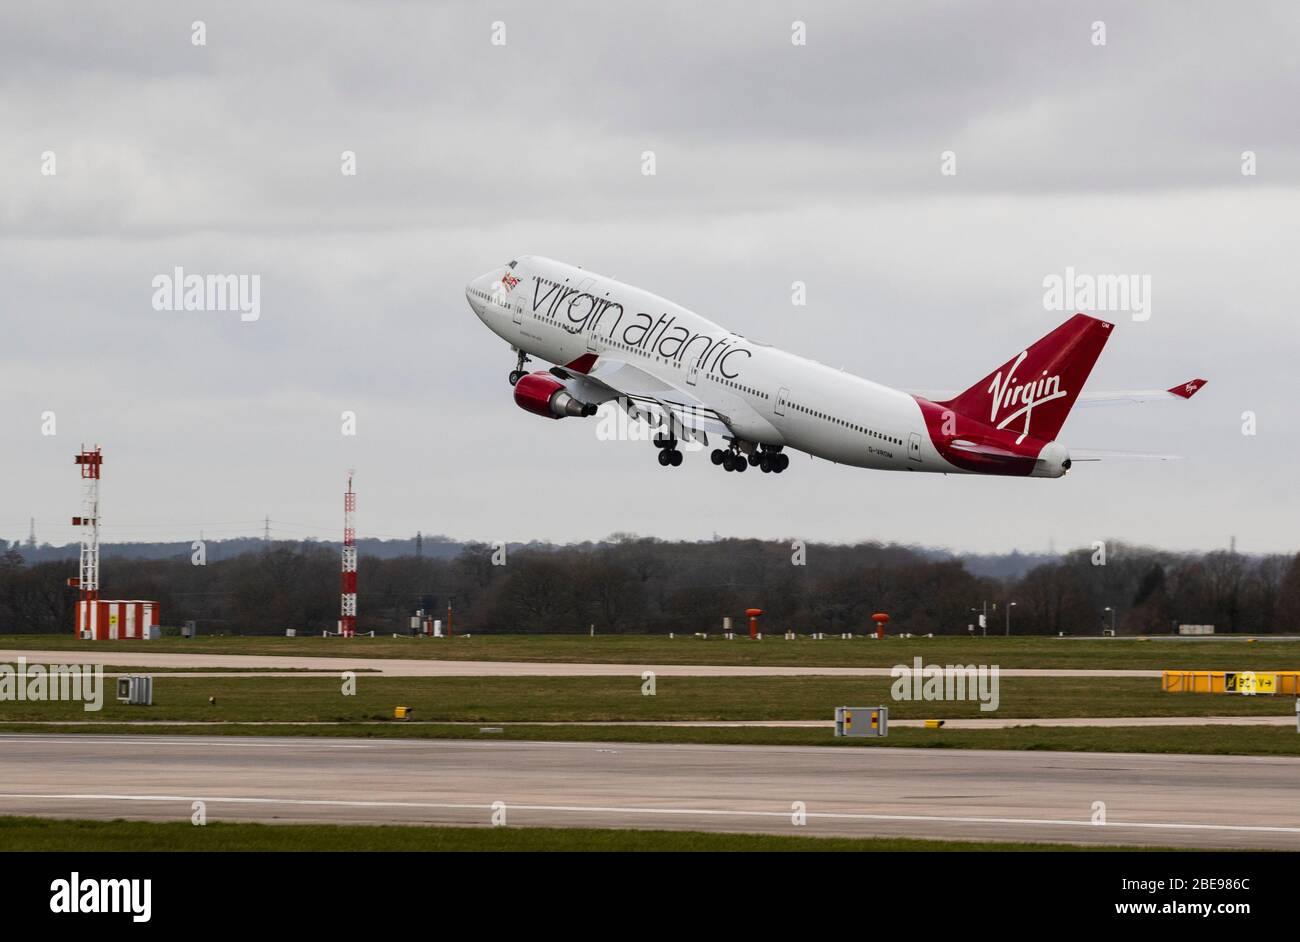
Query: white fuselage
x,y
559,313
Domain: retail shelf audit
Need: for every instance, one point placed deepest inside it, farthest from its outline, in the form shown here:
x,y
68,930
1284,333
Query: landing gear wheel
x,y
665,456
518,372
729,461
718,456
754,459
765,463
674,456
741,464
782,462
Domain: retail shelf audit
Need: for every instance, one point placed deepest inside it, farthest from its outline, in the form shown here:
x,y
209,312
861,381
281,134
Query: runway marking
x,y
74,739
842,754
700,812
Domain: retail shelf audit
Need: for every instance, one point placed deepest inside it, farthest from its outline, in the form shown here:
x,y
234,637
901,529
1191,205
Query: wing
x,y
643,395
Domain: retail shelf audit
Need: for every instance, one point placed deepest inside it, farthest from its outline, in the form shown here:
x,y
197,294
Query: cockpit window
x,y
512,264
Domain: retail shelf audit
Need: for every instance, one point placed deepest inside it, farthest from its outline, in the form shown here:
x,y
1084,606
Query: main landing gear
x,y
769,461
519,372
730,459
669,454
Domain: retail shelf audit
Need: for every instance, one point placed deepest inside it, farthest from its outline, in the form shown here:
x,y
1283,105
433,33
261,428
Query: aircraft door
x,y
584,287
914,447
782,399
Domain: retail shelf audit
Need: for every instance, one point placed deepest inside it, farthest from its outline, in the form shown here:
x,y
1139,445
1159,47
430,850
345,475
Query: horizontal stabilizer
x,y
1127,396
1098,454
1104,397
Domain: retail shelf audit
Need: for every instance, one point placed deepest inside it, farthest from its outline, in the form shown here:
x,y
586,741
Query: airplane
x,y
690,378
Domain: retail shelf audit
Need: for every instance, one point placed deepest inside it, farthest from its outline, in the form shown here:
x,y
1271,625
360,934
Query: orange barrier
x,y
1286,683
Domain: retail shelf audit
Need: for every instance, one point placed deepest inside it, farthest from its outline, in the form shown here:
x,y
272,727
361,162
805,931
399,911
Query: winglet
x,y
1188,389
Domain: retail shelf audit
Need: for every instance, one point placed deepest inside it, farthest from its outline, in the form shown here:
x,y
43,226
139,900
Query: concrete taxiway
x,y
422,667
1166,800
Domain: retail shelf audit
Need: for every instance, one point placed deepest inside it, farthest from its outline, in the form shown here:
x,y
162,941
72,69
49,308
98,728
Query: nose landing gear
x,y
519,372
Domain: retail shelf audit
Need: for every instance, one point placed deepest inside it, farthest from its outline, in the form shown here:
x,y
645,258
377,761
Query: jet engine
x,y
543,394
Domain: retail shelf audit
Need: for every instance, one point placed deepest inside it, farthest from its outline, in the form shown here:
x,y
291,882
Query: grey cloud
x,y
775,164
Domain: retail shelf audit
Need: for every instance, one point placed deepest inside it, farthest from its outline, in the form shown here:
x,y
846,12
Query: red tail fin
x,y
1032,393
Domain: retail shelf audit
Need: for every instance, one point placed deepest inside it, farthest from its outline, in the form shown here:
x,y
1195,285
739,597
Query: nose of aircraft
x,y
489,293
479,291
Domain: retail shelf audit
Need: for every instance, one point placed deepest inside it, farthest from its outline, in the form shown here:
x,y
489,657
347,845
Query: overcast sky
x,y
775,163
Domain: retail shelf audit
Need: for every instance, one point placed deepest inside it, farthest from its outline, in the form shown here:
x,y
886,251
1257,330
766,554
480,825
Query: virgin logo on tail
x,y
1007,393
1063,358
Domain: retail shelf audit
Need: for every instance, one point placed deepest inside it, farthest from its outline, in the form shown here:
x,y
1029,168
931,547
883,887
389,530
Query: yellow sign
x,y
112,619
1249,683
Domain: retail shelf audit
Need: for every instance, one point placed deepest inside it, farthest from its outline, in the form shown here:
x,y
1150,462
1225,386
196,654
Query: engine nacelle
x,y
543,394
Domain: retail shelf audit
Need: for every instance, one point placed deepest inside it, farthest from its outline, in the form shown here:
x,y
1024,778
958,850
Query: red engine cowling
x,y
542,394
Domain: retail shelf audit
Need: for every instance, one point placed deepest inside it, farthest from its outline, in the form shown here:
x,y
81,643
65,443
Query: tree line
x,y
644,585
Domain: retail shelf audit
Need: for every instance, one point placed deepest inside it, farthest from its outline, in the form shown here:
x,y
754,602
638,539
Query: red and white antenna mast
x,y
348,621
87,581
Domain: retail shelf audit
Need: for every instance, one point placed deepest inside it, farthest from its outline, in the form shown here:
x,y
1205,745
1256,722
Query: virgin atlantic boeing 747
x,y
691,378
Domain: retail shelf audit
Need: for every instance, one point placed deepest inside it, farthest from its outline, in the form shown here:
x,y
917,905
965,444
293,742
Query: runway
x,y
1010,722
1161,800
424,667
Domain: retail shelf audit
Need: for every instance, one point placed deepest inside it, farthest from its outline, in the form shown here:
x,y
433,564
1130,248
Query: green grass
x,y
1032,652
1203,740
437,702
559,699
44,834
